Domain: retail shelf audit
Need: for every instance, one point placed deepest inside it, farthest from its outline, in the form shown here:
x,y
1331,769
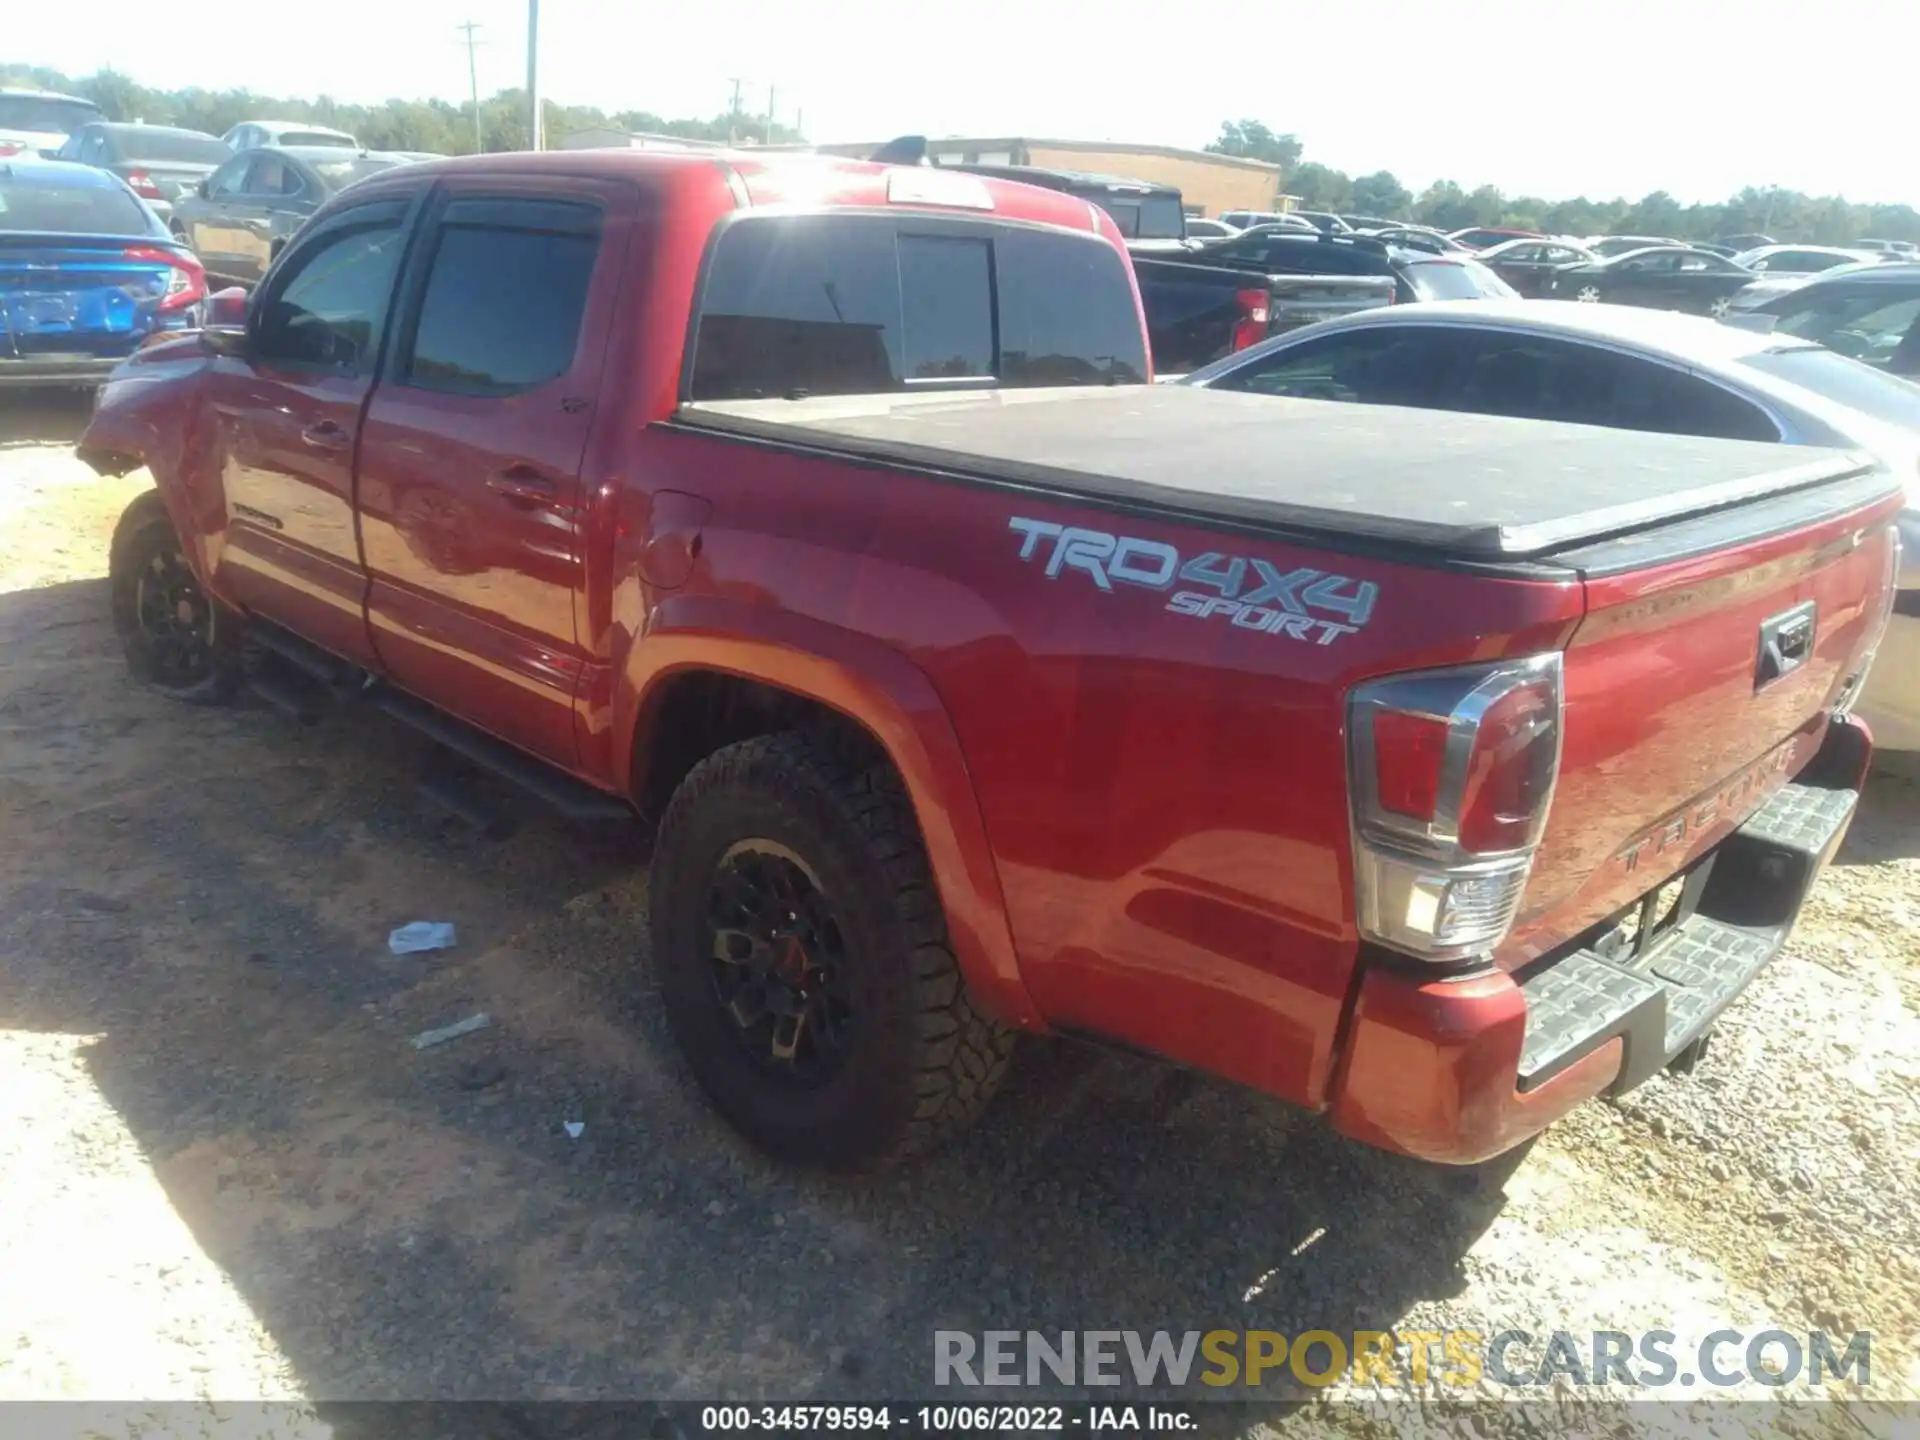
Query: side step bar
x,y
572,798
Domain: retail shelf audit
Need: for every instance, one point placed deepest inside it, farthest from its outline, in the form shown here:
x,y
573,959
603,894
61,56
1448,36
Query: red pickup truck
x,y
1435,772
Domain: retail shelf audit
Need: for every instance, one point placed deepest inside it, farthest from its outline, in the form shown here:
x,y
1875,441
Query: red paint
x,y
1138,825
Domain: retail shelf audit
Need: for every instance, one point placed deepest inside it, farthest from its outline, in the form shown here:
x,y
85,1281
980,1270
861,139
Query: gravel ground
x,y
229,1176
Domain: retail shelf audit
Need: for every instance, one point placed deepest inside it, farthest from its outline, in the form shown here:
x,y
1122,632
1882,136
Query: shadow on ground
x,y
208,892
43,417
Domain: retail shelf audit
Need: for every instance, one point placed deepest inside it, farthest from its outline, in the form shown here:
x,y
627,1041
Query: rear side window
x,y
484,327
71,209
848,305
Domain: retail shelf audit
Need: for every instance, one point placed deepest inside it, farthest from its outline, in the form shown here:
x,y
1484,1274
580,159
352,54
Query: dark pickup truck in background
x,y
1433,771
1200,307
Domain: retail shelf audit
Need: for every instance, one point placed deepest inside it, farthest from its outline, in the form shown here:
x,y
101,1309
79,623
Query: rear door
x,y
469,473
286,420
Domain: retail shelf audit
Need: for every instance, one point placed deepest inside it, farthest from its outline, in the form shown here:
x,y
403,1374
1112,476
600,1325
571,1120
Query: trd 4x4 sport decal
x,y
1250,594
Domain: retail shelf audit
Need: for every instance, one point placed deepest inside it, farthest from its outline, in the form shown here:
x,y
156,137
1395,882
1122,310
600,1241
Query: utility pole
x,y
473,84
771,94
535,135
733,115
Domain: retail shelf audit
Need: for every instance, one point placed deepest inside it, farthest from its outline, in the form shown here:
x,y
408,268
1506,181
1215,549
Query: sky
x,y
1544,97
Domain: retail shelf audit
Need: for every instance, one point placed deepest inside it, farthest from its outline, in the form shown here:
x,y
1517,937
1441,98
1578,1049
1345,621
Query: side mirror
x,y
200,188
227,309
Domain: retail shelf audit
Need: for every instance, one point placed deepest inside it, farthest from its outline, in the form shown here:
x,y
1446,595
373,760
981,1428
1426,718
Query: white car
x,y
1635,368
251,134
38,122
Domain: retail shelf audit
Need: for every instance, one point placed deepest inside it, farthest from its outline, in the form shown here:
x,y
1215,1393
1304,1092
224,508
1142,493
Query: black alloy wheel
x,y
779,963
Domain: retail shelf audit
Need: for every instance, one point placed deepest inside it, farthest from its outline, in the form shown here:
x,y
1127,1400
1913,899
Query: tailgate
x,y
1697,685
1298,300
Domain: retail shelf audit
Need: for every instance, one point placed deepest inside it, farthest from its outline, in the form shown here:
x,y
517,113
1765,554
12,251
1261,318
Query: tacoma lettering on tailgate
x,y
1250,594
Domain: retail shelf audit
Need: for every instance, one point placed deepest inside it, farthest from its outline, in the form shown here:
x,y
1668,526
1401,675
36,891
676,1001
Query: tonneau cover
x,y
1471,486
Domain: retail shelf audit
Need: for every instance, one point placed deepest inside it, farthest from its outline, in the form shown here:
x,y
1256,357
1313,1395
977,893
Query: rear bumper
x,y
56,369
1457,1071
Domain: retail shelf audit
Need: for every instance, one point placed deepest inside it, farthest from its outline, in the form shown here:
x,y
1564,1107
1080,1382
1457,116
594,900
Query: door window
x,y
483,328
225,182
329,298
1541,379
268,177
1385,365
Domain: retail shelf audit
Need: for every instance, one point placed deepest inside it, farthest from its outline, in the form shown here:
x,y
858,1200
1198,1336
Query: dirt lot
x,y
229,1175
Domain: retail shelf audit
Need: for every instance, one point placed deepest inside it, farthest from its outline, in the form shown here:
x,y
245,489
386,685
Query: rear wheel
x,y
176,637
804,963
1588,295
1719,308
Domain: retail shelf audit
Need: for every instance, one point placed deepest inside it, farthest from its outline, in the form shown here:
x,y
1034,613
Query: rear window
x,y
1872,392
1143,217
850,305
71,209
317,137
45,115
1457,280
170,145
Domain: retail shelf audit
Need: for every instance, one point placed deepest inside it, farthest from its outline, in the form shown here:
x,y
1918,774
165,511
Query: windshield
x,y
46,115
1846,382
1144,217
338,174
317,137
1457,280
71,210
178,146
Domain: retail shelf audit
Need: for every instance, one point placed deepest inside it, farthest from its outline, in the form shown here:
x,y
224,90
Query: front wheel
x,y
1720,307
803,958
176,637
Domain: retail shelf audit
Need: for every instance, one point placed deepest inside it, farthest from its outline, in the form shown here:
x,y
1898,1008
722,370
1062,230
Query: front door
x,y
208,223
286,420
470,458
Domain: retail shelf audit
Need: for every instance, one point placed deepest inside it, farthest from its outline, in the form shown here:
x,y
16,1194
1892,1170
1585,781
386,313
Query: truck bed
x,y
1470,487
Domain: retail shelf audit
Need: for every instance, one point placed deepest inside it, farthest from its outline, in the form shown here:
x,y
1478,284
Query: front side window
x,y
849,305
330,298
226,180
483,329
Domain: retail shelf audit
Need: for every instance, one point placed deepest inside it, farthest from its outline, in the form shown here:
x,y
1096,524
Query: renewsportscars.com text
x,y
1649,1360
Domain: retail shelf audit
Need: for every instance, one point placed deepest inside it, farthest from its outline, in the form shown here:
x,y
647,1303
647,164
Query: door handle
x,y
522,483
325,435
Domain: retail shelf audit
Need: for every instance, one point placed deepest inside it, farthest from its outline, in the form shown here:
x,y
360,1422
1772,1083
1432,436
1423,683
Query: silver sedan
x,y
1632,368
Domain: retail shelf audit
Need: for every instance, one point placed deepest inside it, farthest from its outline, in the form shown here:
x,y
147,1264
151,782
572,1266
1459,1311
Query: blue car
x,y
87,274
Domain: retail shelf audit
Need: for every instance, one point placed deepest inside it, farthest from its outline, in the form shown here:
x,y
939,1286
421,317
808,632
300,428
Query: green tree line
x,y
435,125
1786,215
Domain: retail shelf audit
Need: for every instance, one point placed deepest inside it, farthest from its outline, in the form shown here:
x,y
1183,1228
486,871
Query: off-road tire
x,y
144,532
922,1062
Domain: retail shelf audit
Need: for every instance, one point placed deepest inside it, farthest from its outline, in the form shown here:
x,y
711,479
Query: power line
x,y
473,83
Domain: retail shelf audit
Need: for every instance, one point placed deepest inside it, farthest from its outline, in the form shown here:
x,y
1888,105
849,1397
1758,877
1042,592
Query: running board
x,y
343,680
573,798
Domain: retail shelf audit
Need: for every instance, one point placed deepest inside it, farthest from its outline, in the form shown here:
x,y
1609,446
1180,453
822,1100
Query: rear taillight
x,y
1251,328
1452,773
11,147
143,185
186,277
1856,679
